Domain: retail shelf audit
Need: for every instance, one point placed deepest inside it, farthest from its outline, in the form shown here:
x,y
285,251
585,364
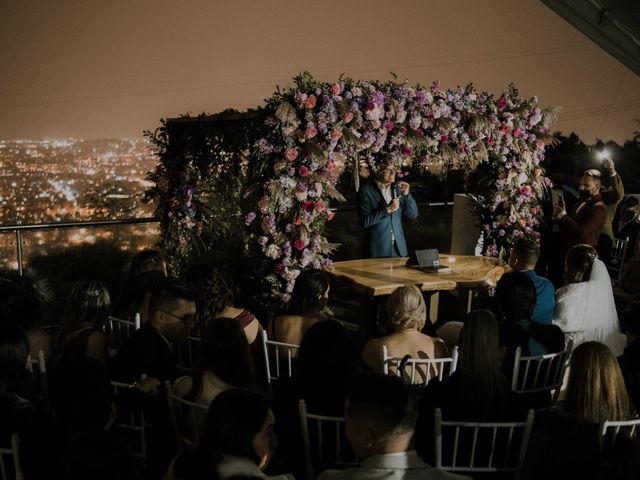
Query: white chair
x,y
419,371
39,367
318,452
610,433
10,460
618,254
187,419
481,447
130,416
117,331
279,351
544,373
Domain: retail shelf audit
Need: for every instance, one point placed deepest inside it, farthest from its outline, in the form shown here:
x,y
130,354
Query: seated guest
x,y
407,312
515,300
146,359
149,350
238,440
523,259
564,442
630,359
306,307
41,441
81,326
628,226
328,358
224,363
380,415
214,299
585,309
148,271
22,301
477,391
596,391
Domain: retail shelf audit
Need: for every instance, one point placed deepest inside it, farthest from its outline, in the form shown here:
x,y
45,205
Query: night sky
x,y
95,68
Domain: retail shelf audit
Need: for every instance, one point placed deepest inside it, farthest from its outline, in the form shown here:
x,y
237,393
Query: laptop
x,y
428,260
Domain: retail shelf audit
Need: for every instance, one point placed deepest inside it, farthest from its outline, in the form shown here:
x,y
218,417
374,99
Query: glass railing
x,y
66,244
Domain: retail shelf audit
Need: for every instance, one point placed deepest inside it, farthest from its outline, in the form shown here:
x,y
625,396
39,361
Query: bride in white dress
x,y
585,309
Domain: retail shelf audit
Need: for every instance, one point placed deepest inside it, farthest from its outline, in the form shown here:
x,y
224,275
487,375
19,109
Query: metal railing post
x,y
19,250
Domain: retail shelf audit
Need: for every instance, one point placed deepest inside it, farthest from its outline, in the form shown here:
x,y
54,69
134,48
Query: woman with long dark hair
x,y
306,307
225,362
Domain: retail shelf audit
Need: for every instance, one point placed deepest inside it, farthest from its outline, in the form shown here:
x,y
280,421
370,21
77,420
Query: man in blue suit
x,y
381,204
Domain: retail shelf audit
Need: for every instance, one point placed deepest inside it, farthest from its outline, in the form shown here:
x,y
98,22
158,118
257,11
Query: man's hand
x,y
404,188
393,205
559,212
610,167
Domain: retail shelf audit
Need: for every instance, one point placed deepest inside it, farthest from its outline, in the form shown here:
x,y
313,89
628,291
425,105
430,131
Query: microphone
x,y
394,190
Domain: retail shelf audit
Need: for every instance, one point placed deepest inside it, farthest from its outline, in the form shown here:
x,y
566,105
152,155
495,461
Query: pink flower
x,y
321,206
330,215
504,128
311,101
444,138
522,222
249,218
407,151
489,141
501,104
297,221
348,117
403,130
291,154
371,106
336,89
310,132
307,206
518,133
388,124
331,165
279,268
336,135
303,171
299,244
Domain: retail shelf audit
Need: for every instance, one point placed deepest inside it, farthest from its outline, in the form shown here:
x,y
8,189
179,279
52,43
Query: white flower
x,y
273,251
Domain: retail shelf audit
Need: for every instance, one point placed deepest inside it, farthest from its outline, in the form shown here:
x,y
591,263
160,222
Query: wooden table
x,y
375,278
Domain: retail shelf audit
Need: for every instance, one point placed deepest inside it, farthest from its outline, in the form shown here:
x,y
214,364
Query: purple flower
x,y
249,218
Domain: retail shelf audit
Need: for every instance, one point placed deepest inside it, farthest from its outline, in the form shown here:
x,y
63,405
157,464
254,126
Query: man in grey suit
x,y
381,205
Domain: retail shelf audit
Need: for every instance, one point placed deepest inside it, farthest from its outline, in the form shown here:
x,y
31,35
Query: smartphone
x,y
557,197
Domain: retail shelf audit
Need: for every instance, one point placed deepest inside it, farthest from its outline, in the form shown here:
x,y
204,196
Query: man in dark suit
x,y
146,360
586,221
381,205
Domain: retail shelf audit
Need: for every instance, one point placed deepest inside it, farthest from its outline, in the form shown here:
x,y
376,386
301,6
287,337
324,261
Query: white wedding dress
x,y
586,311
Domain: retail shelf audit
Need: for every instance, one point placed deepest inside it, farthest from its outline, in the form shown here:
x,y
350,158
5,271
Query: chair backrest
x,y
10,460
187,419
39,366
481,447
544,373
130,416
117,330
328,446
419,371
611,433
618,255
274,354
186,353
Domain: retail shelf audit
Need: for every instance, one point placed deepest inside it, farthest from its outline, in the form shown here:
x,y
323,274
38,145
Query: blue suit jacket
x,y
379,225
545,298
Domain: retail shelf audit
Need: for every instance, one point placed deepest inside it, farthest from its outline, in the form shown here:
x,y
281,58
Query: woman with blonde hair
x,y
407,315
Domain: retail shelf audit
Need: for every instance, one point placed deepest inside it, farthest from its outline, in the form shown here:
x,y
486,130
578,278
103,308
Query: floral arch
x,y
306,136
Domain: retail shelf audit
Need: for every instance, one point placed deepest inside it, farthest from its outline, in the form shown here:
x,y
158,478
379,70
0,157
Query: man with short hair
x,y
523,259
146,360
149,351
380,415
381,205
586,221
